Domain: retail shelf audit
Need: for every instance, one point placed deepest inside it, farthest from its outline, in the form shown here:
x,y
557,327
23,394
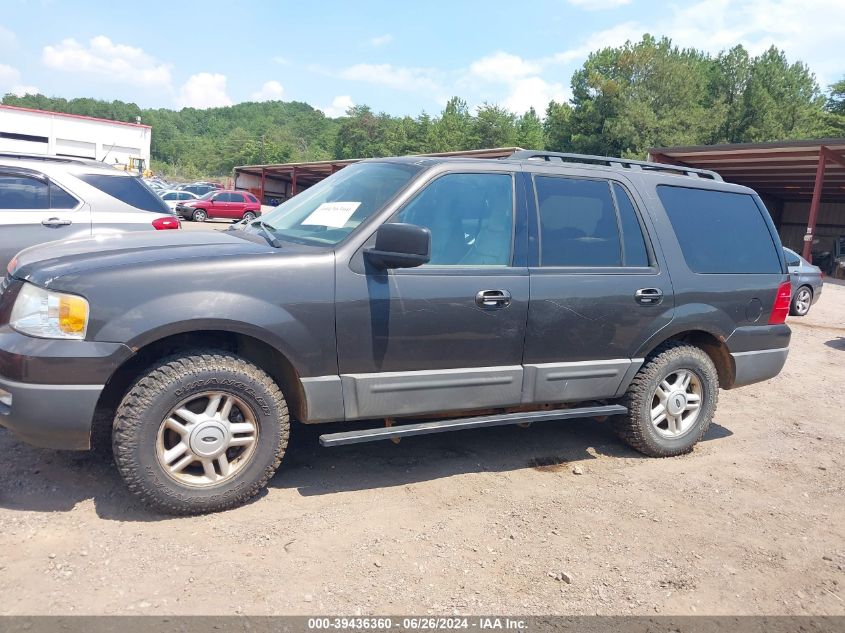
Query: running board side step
x,y
461,424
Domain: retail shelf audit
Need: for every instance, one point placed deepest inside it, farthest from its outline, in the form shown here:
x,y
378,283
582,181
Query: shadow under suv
x,y
433,293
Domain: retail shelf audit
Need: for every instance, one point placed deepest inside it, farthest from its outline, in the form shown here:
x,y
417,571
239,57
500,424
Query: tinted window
x,y
251,197
236,197
632,233
173,196
470,217
20,192
130,191
577,223
221,197
61,199
719,231
791,258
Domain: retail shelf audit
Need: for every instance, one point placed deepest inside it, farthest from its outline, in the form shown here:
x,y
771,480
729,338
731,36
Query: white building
x,y
39,132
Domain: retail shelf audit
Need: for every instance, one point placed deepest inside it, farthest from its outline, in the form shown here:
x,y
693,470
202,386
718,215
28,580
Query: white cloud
x,y
204,90
396,77
104,58
501,66
595,5
805,29
282,61
8,40
381,40
271,91
10,81
521,78
338,107
534,92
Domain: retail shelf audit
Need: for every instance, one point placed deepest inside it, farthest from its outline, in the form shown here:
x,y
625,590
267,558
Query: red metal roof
x,y
785,169
73,116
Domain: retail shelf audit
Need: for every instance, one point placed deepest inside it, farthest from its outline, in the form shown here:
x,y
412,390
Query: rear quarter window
x,y
128,190
720,231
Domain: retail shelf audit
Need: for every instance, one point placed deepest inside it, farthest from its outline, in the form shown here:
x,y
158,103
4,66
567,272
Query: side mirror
x,y
400,246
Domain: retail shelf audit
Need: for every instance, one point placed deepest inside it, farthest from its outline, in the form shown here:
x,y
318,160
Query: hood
x,y
44,263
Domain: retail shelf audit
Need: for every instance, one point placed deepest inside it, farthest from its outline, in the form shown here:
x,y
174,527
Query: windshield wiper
x,y
265,230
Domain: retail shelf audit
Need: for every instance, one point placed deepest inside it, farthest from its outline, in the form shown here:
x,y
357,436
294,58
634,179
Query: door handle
x,y
492,299
56,222
648,296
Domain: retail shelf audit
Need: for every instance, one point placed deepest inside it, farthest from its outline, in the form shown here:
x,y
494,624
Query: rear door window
x,y
128,190
23,192
236,197
578,224
720,231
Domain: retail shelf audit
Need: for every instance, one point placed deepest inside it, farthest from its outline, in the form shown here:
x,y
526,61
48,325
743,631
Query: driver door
x,y
447,335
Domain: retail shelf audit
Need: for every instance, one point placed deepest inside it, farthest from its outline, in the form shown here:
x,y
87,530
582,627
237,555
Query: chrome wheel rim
x,y
248,217
676,403
199,216
207,439
802,301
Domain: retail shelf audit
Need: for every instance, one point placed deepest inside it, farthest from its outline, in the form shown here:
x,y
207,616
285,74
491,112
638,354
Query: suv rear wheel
x,y
670,401
200,432
249,216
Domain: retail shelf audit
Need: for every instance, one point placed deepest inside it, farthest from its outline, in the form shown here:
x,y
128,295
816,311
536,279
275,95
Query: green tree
x,y
452,131
556,127
781,100
529,131
494,126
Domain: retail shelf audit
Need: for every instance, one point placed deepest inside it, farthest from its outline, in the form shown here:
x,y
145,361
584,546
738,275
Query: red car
x,y
229,205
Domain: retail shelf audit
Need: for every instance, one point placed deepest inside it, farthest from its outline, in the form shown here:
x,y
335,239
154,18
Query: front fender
x,y
285,302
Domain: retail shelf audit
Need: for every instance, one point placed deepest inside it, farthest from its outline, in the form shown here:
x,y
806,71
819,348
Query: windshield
x,y
330,210
208,196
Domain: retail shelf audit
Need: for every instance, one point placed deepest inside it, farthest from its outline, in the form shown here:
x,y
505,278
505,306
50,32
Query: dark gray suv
x,y
434,294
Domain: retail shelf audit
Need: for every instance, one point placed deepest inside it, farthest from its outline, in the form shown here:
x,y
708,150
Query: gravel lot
x,y
752,522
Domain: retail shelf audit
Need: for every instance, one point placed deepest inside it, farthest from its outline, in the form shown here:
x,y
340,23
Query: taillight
x,y
781,307
162,224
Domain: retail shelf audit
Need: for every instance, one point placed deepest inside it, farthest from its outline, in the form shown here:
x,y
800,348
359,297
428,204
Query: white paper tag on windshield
x,y
332,214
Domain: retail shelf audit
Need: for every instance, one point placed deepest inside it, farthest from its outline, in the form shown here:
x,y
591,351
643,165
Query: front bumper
x,y
54,387
51,416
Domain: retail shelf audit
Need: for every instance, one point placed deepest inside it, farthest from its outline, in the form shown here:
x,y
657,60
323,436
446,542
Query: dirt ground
x,y
752,522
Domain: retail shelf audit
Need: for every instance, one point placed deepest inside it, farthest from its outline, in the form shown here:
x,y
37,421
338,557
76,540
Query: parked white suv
x,y
47,198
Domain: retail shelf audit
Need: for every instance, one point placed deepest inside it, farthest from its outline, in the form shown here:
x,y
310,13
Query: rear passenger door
x,y
599,288
33,209
236,206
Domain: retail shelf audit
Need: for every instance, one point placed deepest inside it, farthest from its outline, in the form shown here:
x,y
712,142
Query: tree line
x,y
625,100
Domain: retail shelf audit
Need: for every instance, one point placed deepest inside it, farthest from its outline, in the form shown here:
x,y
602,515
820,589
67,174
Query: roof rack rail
x,y
618,163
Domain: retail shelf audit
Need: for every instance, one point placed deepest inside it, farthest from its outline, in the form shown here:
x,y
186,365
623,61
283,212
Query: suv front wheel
x,y
670,401
200,432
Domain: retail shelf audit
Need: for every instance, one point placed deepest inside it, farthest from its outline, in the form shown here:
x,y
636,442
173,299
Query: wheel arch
x,y
711,342
246,345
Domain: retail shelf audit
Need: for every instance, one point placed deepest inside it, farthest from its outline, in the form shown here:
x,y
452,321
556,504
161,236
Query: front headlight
x,y
47,314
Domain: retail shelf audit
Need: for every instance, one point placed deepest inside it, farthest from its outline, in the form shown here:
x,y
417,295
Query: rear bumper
x,y
756,366
758,352
51,416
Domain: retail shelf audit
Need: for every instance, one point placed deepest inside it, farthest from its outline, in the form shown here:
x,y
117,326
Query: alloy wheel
x,y
207,439
676,403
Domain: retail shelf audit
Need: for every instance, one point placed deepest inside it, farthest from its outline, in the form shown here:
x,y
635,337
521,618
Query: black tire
x,y
794,308
636,428
199,216
249,216
152,397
